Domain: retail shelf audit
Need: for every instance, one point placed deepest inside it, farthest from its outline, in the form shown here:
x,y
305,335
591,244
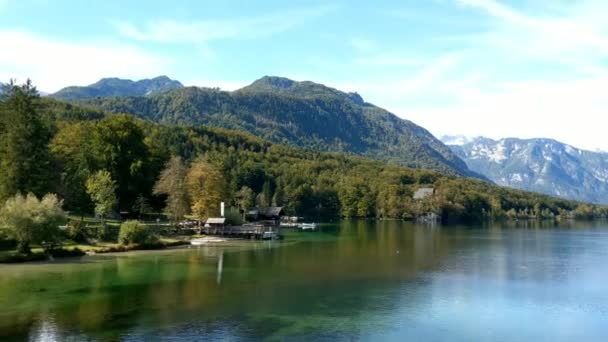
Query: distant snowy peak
x,y
542,165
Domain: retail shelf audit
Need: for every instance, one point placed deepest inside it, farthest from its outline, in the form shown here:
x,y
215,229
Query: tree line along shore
x,y
58,157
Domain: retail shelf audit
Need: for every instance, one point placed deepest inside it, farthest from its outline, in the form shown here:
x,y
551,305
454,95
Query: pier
x,y
247,231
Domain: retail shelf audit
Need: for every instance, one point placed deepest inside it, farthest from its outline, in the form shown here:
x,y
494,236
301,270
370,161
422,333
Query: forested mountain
x,y
51,146
541,165
118,87
303,114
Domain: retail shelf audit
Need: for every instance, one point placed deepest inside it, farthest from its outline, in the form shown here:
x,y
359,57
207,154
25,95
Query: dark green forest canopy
x,y
80,141
302,114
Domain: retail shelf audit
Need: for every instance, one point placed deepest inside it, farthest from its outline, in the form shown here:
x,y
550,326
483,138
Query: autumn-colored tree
x,y
172,183
205,186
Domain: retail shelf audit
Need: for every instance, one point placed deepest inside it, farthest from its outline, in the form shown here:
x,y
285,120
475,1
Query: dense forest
x,y
301,114
83,155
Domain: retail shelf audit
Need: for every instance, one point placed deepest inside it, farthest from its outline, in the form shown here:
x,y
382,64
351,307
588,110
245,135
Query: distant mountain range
x,y
540,165
303,114
118,87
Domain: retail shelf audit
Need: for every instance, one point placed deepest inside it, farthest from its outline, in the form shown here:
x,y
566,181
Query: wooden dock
x,y
248,231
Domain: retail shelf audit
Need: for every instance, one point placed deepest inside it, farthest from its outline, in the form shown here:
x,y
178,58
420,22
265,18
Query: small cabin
x,y
215,225
215,222
423,193
273,214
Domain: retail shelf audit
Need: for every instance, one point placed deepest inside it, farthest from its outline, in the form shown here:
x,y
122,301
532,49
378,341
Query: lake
x,y
389,281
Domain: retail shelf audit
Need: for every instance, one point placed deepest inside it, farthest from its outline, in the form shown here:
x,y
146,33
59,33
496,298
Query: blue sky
x,y
496,68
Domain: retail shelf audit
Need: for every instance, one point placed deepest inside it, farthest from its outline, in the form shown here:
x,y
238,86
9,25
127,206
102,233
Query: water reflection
x,y
370,280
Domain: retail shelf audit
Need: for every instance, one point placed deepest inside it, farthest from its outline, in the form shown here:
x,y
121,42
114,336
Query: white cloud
x,y
572,31
538,72
201,31
53,64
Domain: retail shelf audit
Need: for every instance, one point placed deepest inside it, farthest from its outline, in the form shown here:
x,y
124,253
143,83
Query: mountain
x,y
303,114
540,165
118,87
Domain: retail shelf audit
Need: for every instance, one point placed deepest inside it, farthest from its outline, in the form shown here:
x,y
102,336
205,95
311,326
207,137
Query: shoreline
x,y
69,252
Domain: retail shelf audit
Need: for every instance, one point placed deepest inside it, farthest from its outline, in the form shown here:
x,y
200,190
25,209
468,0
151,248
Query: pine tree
x,y
24,157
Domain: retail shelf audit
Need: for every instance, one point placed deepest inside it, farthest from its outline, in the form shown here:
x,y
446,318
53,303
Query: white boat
x,y
308,226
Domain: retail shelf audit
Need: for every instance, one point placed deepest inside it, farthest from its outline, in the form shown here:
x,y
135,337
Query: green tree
x,y
172,183
101,188
278,199
141,206
24,157
31,220
71,147
118,144
245,199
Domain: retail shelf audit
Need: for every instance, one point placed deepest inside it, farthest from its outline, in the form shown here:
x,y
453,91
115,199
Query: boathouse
x,y
215,225
270,214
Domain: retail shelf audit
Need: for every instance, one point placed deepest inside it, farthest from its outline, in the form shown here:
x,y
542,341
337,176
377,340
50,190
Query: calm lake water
x,y
385,281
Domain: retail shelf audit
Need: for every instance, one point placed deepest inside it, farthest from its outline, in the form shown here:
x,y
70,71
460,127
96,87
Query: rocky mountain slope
x,y
118,87
541,165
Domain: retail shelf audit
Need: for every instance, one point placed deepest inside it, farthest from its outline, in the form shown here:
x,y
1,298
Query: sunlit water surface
x,y
350,281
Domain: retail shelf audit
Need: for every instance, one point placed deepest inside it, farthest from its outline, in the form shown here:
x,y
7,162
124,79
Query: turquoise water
x,y
353,281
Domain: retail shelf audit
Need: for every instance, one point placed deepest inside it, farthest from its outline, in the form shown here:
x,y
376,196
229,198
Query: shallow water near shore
x,y
349,281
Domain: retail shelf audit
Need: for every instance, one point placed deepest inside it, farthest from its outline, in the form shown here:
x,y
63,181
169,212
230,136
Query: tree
x,y
172,183
119,147
24,159
205,186
141,206
279,195
33,221
245,199
267,193
71,147
101,188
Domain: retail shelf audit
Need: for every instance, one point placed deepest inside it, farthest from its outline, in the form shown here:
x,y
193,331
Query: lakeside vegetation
x,y
109,163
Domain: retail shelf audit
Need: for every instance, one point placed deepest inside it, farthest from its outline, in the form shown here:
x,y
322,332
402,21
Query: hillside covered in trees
x,y
47,146
302,114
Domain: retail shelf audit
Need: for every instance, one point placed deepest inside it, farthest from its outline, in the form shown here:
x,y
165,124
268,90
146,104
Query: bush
x,y
134,233
233,217
31,220
77,231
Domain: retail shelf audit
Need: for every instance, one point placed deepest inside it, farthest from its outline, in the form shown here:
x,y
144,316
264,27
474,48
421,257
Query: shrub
x,y
134,233
77,231
31,220
233,217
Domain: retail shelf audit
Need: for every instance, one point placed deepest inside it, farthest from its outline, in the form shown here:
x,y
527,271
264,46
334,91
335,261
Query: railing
x,y
249,229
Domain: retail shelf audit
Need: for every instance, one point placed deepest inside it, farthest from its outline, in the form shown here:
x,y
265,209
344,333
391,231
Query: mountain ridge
x,y
113,86
304,114
540,164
